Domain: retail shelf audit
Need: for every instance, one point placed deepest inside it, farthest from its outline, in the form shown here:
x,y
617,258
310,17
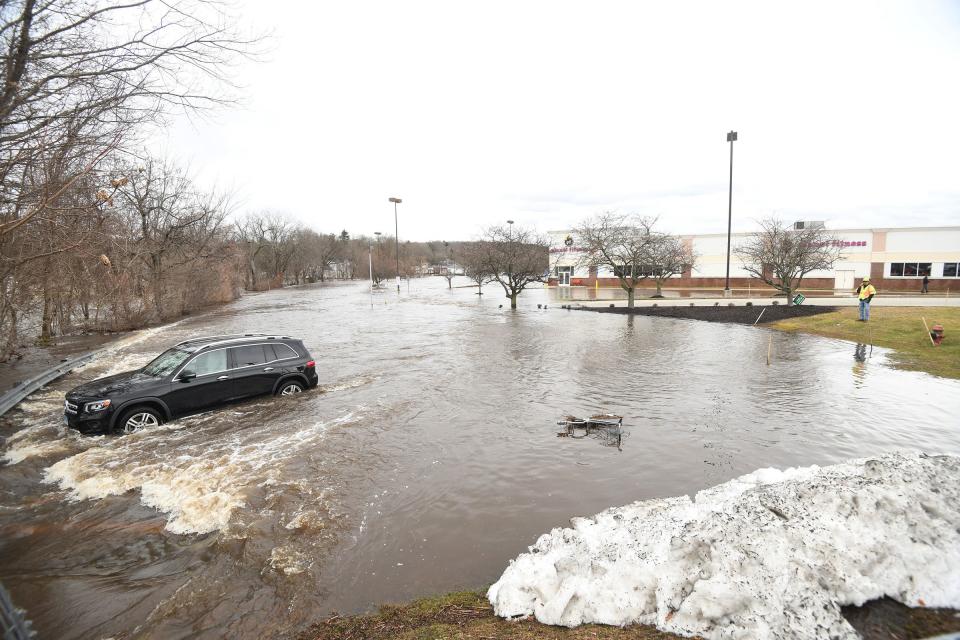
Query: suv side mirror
x,y
187,375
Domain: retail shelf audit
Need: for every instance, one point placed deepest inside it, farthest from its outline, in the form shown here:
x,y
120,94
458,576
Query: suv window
x,y
248,356
284,351
211,362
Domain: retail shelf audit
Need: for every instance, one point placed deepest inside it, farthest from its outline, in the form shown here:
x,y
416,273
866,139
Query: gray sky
x,y
547,112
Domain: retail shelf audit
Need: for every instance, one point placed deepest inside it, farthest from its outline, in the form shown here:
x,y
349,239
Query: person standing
x,y
926,281
865,293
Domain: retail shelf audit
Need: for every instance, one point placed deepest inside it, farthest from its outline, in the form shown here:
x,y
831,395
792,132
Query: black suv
x,y
192,376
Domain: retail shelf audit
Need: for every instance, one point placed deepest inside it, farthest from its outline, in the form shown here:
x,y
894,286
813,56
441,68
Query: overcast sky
x,y
547,112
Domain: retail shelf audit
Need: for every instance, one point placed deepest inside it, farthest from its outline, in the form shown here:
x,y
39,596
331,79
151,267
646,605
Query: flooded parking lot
x,y
427,459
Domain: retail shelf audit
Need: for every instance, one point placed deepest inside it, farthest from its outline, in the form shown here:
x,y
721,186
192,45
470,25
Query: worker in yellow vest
x,y
865,293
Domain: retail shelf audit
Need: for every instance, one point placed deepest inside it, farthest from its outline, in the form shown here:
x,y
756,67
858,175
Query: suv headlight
x,y
93,407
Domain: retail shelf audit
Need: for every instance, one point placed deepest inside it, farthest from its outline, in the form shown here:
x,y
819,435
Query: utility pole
x,y
731,138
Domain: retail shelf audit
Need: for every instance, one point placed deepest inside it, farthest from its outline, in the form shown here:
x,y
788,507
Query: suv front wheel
x,y
138,418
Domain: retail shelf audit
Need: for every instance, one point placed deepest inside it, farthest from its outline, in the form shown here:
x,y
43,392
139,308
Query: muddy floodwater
x,y
426,460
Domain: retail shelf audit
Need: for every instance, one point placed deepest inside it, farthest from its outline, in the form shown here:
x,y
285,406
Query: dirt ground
x,y
739,314
468,615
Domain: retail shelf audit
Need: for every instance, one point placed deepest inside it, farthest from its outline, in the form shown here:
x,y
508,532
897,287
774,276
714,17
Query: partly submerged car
x,y
194,375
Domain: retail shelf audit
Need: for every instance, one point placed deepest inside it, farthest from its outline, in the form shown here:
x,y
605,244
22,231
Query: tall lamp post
x,y
731,138
510,240
396,232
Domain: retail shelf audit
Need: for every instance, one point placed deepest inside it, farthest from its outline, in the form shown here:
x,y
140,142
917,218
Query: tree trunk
x,y
158,290
46,323
631,294
789,297
46,320
659,288
513,300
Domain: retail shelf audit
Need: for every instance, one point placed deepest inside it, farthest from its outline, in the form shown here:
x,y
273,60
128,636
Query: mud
x,y
708,312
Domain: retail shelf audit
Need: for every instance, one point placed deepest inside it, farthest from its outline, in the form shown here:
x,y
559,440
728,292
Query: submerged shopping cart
x,y
607,425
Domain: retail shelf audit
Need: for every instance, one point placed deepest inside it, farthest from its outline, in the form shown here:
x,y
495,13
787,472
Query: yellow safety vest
x,y
867,291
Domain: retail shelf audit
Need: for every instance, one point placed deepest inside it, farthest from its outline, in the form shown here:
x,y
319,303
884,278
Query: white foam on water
x,y
349,383
34,449
197,480
40,403
116,364
288,561
41,440
772,554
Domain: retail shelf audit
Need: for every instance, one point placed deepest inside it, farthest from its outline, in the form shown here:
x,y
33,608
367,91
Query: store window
x,y
910,269
640,271
951,269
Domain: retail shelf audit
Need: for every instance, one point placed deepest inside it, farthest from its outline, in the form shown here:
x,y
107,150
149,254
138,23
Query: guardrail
x,y
12,623
11,398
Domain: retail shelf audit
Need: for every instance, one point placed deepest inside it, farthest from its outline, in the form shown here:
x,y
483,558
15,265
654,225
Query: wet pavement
x,y
427,459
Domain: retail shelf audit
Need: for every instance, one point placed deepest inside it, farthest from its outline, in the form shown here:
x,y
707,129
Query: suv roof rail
x,y
250,337
223,337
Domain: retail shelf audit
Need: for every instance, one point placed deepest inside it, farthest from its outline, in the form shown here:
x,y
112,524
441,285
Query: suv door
x,y
212,385
254,369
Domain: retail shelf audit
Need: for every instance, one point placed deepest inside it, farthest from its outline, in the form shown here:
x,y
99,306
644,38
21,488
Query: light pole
x,y
510,240
396,233
731,138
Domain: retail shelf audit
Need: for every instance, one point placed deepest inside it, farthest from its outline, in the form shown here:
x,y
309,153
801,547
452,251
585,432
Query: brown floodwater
x,y
427,459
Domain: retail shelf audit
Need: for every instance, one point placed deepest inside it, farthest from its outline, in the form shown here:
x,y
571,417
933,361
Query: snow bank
x,y
772,554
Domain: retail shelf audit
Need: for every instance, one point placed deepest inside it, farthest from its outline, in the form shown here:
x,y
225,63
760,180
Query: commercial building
x,y
894,259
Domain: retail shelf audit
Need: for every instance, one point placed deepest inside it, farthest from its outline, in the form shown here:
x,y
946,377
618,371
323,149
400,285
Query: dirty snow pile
x,y
772,554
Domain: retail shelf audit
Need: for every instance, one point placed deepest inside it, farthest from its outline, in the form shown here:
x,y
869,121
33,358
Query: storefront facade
x,y
894,259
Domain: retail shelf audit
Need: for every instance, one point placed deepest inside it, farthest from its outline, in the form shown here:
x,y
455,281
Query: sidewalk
x,y
825,301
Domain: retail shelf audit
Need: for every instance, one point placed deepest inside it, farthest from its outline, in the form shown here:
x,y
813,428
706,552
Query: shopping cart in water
x,y
607,425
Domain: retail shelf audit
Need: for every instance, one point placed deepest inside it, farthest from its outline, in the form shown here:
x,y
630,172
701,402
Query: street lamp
x,y
731,138
370,257
396,233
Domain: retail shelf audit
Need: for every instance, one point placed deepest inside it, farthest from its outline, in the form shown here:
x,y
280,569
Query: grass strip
x,y
897,328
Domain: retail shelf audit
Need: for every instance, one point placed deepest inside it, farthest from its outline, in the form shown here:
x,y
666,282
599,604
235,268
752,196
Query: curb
x,y
11,398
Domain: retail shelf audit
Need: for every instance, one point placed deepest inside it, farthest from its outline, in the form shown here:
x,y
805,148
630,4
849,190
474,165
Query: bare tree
x,y
251,232
112,66
79,80
620,243
782,256
449,264
666,256
515,258
475,267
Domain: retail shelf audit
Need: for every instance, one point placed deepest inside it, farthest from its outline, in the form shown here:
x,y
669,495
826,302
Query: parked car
x,y
192,376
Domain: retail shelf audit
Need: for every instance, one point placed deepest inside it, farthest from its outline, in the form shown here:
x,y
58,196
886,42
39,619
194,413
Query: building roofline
x,y
827,229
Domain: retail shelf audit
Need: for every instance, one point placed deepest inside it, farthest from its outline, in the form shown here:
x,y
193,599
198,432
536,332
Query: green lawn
x,y
898,328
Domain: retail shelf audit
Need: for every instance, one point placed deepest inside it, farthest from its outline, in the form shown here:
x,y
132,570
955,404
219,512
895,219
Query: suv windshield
x,y
166,363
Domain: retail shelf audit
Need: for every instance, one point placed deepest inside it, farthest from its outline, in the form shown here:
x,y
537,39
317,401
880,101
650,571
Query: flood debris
x,y
604,426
